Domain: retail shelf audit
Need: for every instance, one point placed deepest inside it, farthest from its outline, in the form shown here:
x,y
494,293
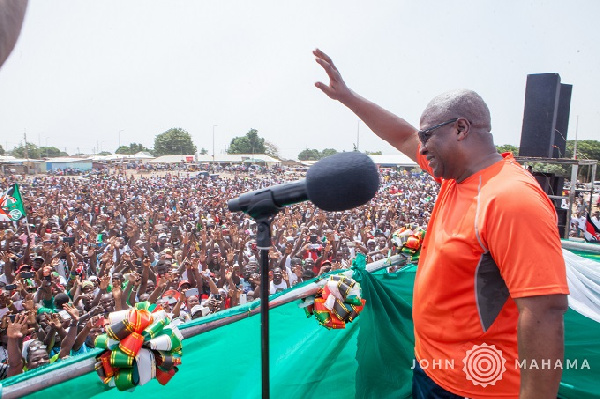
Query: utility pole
x,y
575,146
25,138
213,143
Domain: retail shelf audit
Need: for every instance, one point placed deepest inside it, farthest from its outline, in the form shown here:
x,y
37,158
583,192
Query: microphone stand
x,y
262,211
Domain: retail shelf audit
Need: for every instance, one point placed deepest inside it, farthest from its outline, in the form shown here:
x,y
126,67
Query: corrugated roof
x,y
396,159
67,160
170,159
237,158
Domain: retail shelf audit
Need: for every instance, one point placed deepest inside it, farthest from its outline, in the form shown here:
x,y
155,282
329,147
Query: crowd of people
x,y
93,245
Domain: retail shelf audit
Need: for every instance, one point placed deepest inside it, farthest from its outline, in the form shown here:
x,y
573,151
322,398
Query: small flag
x,y
591,233
11,205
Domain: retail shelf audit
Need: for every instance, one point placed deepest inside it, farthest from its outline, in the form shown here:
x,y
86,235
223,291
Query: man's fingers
x,y
321,55
325,89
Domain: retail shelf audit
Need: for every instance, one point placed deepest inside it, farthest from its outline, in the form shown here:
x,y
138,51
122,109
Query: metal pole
x,y
213,143
264,322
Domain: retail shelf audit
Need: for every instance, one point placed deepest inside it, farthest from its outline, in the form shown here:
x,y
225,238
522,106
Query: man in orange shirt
x,y
490,290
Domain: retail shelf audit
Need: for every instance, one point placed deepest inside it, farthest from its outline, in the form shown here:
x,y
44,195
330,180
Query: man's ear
x,y
463,127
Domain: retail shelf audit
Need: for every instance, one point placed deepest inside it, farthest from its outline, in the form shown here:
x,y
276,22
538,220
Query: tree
x,y
271,149
203,151
373,152
29,150
314,154
507,148
133,148
104,153
309,155
2,150
328,151
586,149
174,141
251,143
50,152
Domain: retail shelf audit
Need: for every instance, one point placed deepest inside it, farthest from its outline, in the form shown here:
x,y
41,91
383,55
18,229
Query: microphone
x,y
336,183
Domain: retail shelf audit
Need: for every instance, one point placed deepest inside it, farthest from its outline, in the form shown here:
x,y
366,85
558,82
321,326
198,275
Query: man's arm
x,y
382,122
540,335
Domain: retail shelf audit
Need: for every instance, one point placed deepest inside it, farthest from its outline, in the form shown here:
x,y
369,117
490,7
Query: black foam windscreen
x,y
342,181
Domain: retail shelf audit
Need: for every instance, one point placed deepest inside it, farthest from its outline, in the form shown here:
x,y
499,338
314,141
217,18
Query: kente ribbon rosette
x,y
140,344
408,241
337,303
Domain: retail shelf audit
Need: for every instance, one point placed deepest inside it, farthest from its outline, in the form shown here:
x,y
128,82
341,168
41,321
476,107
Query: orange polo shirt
x,y
491,238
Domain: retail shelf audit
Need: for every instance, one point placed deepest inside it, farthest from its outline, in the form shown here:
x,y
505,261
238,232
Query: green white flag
x,y
11,205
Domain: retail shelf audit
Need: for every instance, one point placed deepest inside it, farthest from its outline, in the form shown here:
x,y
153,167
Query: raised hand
x,y
337,89
14,329
104,280
230,255
72,311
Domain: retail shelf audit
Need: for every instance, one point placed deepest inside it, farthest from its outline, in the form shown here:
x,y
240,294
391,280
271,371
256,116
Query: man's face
x,y
37,264
17,245
277,275
107,303
150,287
117,279
439,147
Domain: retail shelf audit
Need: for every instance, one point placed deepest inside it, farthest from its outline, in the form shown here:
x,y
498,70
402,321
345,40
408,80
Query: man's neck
x,y
479,164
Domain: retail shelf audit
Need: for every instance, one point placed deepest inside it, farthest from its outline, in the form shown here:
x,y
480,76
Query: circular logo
x,y
15,214
484,365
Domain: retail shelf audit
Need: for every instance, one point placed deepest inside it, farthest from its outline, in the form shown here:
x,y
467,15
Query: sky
x,y
86,75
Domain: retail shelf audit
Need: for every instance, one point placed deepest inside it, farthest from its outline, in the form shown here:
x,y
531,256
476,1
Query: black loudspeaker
x,y
562,121
550,183
546,116
563,223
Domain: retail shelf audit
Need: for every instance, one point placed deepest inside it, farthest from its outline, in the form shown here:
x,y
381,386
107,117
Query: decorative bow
x,y
337,303
140,344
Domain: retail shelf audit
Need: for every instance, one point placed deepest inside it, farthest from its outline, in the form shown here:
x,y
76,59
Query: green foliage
x,y
50,152
507,148
104,153
558,170
314,154
586,149
373,153
2,150
309,155
29,150
328,151
173,142
251,143
203,151
132,149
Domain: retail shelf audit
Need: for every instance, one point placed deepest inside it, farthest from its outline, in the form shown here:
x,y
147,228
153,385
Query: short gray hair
x,y
459,103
